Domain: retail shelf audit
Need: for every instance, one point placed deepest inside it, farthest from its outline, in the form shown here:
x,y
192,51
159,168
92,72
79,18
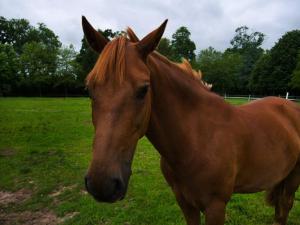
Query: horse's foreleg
x,y
215,213
191,213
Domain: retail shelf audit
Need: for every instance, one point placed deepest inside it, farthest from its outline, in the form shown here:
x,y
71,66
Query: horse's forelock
x,y
111,62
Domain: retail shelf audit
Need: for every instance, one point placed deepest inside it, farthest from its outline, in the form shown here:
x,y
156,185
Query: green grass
x,y
51,143
237,101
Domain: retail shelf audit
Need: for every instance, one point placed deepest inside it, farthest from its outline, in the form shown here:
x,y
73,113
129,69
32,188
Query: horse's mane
x,y
187,67
111,63
184,65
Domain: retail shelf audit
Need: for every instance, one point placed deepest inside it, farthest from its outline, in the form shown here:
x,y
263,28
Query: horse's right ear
x,y
149,43
96,40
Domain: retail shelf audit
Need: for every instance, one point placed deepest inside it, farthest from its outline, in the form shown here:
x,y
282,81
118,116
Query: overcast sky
x,y
212,23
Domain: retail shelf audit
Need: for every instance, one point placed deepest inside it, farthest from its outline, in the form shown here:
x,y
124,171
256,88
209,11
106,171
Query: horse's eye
x,y
142,91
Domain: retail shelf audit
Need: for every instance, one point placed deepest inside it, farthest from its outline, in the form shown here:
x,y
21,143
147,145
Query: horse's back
x,y
281,109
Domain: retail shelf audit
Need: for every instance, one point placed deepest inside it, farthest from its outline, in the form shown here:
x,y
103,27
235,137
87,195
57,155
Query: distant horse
x,y
209,149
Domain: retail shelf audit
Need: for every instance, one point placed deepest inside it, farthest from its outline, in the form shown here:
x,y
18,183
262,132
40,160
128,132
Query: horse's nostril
x,y
106,190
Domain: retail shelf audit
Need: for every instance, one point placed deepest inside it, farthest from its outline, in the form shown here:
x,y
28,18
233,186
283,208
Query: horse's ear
x,y
96,40
132,36
149,43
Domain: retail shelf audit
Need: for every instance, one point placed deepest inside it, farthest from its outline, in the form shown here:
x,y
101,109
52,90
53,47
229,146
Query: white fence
x,y
253,97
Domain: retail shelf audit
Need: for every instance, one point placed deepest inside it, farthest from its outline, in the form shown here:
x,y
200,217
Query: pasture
x,y
45,148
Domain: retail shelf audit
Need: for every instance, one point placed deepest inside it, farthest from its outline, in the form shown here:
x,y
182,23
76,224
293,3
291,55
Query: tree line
x,y
33,61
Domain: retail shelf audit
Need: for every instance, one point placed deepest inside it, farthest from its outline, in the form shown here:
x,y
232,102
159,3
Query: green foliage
x,y
243,40
46,36
33,61
38,63
44,65
248,46
36,50
15,32
220,69
295,81
65,61
9,64
182,45
273,72
284,60
164,47
18,32
67,68
261,80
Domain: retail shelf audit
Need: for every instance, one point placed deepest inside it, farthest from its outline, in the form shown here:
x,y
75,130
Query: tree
x,y
17,32
284,60
208,56
9,67
248,46
295,80
273,72
182,45
243,40
164,47
41,47
38,64
46,36
219,69
67,67
260,79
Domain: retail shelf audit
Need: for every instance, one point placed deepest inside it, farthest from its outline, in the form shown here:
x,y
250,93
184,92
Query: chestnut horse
x,y
209,149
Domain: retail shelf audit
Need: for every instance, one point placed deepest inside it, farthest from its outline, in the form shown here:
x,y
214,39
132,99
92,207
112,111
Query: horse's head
x,y
120,91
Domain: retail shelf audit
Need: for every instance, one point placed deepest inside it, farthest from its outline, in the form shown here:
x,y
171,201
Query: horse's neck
x,y
179,106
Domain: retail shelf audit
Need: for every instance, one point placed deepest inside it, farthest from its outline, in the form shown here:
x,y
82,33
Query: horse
x,y
209,149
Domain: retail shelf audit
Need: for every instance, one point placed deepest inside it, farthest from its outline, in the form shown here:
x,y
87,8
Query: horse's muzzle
x,y
111,190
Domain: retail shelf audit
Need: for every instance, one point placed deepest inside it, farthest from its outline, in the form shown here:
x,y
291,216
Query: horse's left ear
x,y
149,43
96,40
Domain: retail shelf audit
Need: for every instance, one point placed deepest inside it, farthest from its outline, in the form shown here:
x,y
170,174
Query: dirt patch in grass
x,y
62,190
6,152
83,192
14,197
43,217
34,218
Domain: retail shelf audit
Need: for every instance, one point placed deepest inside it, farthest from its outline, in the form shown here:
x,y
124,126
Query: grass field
x,y
45,148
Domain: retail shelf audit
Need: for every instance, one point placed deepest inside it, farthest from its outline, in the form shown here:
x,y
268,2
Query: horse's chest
x,y
191,189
